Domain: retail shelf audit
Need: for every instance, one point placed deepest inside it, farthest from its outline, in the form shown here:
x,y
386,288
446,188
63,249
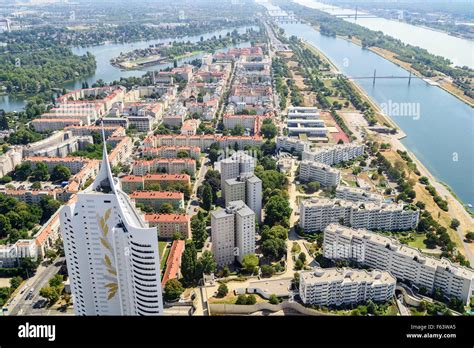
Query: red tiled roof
x,y
156,194
166,218
173,263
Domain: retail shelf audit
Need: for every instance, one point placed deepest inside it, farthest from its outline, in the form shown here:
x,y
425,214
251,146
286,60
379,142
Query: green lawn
x,y
164,256
418,241
161,247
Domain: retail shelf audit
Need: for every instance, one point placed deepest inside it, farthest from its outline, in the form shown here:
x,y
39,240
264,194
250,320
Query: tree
x,y
274,248
22,171
299,264
189,264
273,299
277,231
206,263
225,272
269,130
15,282
28,267
50,293
313,186
455,224
241,300
48,206
207,197
470,236
5,226
173,289
199,232
40,173
267,270
250,263
4,122
277,211
222,290
36,185
238,130
302,257
56,281
60,173
251,299
166,208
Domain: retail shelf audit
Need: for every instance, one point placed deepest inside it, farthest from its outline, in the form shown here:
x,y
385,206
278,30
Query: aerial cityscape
x,y
237,158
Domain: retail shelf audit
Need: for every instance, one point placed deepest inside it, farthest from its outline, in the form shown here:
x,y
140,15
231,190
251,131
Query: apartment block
x,y
44,125
319,172
337,287
172,151
405,263
232,233
357,194
132,183
334,154
169,224
292,144
231,167
155,199
97,227
166,165
248,188
317,213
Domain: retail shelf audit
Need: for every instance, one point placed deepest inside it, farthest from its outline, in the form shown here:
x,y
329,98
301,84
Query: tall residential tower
x,y
112,255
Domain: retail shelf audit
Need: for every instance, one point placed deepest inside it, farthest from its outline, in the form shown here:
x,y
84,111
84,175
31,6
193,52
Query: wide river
x,y
105,71
459,51
439,129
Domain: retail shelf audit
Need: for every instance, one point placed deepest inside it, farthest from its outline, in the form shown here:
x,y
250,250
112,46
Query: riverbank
x,y
457,210
444,83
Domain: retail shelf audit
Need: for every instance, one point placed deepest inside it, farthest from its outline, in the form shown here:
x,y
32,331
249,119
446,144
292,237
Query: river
x,y
459,51
109,73
441,135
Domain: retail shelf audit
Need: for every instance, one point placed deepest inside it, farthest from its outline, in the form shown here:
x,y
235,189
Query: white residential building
x,y
320,172
231,167
112,255
292,144
406,263
334,154
357,194
11,254
248,188
232,233
337,287
317,213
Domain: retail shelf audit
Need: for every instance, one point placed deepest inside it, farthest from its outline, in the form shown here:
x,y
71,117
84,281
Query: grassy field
x,y
164,251
419,238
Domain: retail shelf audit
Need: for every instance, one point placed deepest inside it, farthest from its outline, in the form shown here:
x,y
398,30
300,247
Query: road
x,y
20,305
193,204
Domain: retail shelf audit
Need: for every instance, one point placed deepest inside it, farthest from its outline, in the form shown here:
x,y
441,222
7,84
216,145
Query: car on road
x,y
30,294
40,304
